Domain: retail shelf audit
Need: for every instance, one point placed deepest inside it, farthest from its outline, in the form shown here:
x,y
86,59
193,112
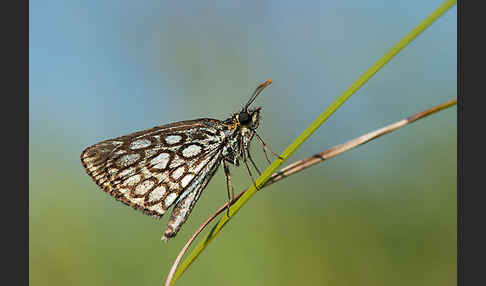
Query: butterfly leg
x,y
253,163
265,152
229,186
265,146
249,172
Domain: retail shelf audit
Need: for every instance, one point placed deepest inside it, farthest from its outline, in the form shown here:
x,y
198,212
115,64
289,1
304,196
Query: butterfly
x,y
154,169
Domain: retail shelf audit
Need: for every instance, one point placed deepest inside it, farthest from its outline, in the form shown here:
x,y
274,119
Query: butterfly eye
x,y
244,118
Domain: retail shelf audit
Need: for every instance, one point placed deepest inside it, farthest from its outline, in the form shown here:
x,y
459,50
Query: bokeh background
x,y
382,214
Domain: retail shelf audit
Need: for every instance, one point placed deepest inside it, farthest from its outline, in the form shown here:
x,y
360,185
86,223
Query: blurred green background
x,y
382,214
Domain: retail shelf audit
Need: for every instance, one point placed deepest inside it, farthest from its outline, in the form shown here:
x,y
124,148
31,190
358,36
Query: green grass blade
x,y
312,128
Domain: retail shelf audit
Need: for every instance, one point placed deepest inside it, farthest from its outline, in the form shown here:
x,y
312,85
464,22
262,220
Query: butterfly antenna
x,y
257,91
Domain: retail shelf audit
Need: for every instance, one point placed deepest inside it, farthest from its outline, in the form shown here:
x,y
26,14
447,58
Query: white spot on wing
x,y
87,159
132,180
142,143
99,176
170,199
173,139
144,187
127,160
178,173
127,172
157,194
137,201
92,169
191,151
158,208
186,180
160,162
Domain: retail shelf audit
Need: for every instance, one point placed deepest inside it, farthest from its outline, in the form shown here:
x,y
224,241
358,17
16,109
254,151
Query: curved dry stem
x,y
339,149
310,161
193,237
307,132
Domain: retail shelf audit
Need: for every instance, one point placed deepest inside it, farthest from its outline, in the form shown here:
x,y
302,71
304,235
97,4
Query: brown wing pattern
x,y
150,169
186,201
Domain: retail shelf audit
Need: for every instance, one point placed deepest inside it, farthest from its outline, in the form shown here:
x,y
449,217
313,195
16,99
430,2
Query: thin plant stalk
x,y
311,161
444,7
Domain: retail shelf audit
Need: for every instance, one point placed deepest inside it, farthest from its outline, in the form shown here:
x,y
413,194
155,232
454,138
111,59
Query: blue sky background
x,y
102,69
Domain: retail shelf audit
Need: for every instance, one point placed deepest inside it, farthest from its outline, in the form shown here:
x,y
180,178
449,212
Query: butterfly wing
x,y
153,169
186,201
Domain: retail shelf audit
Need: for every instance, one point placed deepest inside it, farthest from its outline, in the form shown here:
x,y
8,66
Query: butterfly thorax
x,y
239,131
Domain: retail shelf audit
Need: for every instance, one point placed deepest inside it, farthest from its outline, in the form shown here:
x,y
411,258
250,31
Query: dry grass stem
x,y
310,161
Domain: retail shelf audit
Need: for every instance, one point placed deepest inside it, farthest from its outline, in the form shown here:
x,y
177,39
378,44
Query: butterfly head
x,y
248,118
